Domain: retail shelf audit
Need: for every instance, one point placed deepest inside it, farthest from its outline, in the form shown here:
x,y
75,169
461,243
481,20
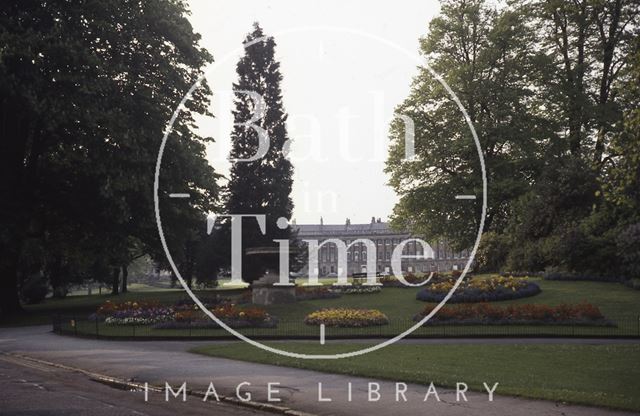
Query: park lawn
x,y
613,299
600,375
84,305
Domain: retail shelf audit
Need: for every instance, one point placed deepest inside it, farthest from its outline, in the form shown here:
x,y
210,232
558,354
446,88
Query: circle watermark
x,y
221,323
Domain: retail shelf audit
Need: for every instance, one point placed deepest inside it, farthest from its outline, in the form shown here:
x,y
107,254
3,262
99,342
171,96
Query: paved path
x,y
28,388
160,361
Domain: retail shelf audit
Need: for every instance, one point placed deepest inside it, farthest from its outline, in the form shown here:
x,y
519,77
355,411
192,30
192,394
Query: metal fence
x,y
620,327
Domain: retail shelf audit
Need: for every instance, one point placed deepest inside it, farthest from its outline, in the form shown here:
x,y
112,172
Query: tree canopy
x,y
544,84
86,90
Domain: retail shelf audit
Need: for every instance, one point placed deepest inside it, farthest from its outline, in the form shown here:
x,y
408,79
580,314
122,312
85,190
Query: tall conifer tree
x,y
262,186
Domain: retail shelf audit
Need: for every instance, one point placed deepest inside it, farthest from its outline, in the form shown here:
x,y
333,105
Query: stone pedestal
x,y
263,291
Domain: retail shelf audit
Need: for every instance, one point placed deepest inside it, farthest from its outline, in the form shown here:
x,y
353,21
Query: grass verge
x,y
600,375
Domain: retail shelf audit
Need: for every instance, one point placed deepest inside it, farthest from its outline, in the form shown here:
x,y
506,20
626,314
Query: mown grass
x,y
601,375
397,303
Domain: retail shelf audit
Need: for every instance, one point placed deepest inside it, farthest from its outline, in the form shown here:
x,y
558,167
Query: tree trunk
x,y
56,280
9,297
115,281
125,275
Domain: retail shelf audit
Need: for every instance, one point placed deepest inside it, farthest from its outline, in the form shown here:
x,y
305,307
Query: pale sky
x,y
345,66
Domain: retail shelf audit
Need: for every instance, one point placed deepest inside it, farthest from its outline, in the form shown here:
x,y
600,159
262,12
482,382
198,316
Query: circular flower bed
x,y
479,290
347,318
483,314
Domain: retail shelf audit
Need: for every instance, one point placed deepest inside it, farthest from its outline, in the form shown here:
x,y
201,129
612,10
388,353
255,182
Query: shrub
x,y
347,318
34,290
496,288
633,283
628,245
482,313
492,252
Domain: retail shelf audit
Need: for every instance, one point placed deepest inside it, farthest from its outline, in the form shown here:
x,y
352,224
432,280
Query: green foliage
x,y
552,90
261,186
34,289
483,55
628,245
86,91
492,252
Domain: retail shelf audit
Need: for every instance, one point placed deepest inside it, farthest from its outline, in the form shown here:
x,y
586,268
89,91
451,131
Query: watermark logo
x,y
314,246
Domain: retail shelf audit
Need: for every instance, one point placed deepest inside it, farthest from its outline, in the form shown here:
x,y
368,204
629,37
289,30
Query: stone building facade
x,y
385,240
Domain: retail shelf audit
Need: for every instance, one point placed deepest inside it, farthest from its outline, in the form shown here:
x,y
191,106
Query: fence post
x,y
97,334
638,321
75,326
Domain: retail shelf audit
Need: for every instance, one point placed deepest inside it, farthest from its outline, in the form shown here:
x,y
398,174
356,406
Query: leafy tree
x,y
544,83
484,55
86,90
261,186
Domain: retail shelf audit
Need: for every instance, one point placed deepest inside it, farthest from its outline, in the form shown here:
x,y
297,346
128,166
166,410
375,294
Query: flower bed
x,y
182,315
479,290
347,318
485,314
355,290
139,316
315,292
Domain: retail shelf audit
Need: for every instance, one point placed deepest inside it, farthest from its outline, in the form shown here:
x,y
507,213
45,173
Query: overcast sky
x,y
345,67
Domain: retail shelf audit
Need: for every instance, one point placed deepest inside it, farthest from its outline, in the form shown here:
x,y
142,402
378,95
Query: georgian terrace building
x,y
385,240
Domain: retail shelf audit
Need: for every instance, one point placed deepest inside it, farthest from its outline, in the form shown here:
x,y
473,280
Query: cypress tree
x,y
262,186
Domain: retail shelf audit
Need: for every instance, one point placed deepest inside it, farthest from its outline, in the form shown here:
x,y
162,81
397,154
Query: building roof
x,y
345,229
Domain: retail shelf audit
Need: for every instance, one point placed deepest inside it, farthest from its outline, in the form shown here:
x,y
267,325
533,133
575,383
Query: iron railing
x,y
619,327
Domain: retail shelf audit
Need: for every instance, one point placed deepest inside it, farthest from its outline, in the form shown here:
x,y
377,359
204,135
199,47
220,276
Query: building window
x,y
348,256
388,255
333,269
364,256
355,256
